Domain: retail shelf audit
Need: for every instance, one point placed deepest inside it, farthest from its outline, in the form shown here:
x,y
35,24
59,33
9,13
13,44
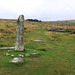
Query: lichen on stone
x,y
18,21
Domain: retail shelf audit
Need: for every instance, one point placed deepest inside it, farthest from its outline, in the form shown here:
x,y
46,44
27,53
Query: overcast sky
x,y
39,9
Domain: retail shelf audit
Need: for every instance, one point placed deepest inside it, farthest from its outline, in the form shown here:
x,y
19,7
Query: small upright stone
x,y
20,34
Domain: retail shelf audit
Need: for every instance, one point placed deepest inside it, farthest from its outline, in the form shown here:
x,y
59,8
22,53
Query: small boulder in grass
x,y
34,53
16,60
8,50
27,54
12,55
7,54
37,40
21,55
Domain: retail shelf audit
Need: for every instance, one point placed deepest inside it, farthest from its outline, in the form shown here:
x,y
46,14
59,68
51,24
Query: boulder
x,y
16,60
57,29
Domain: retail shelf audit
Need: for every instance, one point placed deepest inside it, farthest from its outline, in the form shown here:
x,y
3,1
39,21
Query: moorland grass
x,y
58,59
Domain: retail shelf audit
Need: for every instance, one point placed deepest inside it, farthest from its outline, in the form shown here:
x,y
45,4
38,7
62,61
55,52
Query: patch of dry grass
x,y
8,29
71,28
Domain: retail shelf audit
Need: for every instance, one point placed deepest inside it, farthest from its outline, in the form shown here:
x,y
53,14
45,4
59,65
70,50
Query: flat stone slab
x,y
27,54
7,47
34,53
16,60
58,29
37,40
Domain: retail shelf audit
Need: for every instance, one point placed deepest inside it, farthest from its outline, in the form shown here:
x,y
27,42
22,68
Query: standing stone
x,y
20,34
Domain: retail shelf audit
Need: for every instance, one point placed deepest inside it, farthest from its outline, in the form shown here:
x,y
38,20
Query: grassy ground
x,y
58,59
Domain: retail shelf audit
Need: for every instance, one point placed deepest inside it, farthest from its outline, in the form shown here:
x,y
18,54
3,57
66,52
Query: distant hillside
x,y
65,22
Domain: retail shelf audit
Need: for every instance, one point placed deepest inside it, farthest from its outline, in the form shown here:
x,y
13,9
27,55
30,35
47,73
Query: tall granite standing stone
x,y
20,34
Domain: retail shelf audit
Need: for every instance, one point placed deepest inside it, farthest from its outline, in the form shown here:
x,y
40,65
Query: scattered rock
x,y
12,55
37,40
57,29
16,59
34,53
7,54
8,50
21,55
27,54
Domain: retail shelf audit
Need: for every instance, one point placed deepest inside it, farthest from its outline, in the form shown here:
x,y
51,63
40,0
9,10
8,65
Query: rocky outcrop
x,y
57,29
